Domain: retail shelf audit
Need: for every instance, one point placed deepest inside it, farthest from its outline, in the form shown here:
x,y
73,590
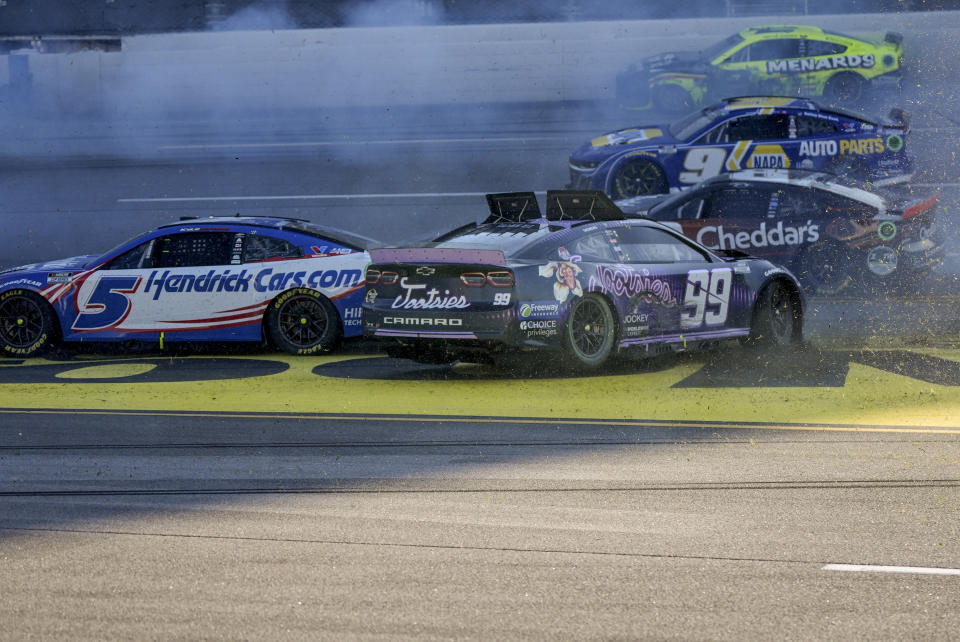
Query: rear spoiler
x,y
437,255
893,38
899,118
562,205
512,207
581,205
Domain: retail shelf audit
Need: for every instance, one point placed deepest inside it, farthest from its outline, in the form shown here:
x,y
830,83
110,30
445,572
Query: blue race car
x,y
582,281
743,133
293,282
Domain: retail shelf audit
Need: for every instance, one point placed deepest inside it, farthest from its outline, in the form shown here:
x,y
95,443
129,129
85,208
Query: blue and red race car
x,y
213,279
582,281
743,133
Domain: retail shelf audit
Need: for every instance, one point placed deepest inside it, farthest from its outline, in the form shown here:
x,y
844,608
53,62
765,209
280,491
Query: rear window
x,y
353,241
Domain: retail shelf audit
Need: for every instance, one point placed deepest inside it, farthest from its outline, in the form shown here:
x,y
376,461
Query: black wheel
x,y
638,177
28,325
825,269
303,321
672,98
777,317
845,87
590,332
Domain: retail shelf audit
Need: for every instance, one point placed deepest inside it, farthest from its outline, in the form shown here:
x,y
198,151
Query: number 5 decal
x,y
108,304
708,294
702,163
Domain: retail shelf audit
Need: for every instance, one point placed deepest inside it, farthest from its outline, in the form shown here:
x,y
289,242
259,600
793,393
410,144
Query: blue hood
x,y
72,264
602,147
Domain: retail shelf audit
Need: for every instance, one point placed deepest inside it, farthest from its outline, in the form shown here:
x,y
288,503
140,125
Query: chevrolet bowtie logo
x,y
425,271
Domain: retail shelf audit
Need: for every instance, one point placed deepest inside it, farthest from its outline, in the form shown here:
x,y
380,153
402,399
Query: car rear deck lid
x,y
437,255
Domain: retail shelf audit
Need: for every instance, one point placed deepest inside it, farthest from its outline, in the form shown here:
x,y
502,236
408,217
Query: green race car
x,y
772,60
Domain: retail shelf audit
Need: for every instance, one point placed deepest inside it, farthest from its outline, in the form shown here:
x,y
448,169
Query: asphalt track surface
x,y
239,493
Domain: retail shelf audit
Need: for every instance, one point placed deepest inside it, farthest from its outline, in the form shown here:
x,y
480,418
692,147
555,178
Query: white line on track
x,y
340,143
307,197
868,568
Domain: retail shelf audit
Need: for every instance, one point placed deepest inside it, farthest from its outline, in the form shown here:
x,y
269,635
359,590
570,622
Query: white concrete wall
x,y
270,70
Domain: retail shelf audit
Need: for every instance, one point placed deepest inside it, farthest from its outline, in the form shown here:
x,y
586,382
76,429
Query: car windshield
x,y
657,212
690,124
117,248
715,50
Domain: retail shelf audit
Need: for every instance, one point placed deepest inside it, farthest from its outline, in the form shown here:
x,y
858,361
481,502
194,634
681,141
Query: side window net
x,y
594,248
820,48
194,249
809,126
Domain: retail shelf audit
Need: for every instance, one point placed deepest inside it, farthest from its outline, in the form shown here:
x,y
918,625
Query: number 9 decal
x,y
702,163
108,304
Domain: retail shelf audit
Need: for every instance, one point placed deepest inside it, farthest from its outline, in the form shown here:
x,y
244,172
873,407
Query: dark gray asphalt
x,y
233,527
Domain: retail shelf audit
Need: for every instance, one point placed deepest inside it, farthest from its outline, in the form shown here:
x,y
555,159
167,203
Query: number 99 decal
x,y
108,305
708,294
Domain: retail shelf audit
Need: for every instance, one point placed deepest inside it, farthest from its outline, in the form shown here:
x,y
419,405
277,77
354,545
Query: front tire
x,y
590,332
640,177
844,88
777,317
303,321
28,325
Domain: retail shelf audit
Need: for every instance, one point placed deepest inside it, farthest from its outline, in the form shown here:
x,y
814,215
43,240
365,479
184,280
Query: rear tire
x,y
777,317
844,88
28,325
590,332
672,98
303,321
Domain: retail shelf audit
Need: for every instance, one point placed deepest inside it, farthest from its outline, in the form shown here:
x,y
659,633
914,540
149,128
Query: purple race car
x,y
582,280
